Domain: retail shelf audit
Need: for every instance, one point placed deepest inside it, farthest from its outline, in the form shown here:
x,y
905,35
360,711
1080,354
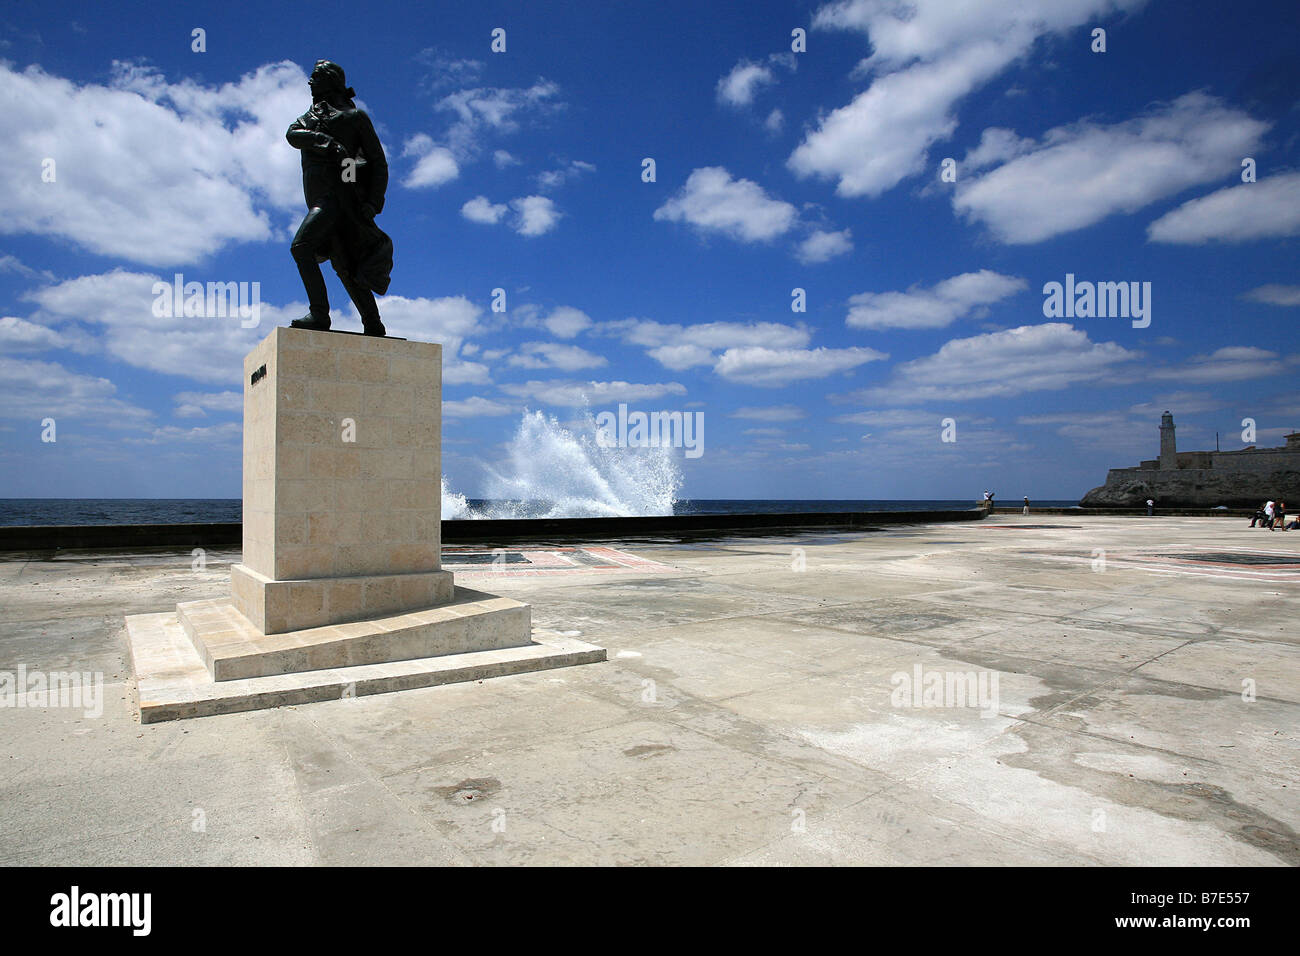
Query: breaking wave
x,y
551,472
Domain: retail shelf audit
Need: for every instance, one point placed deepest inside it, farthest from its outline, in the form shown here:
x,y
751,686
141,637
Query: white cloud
x,y
19,335
775,121
933,308
709,335
118,307
1237,363
150,171
1078,175
227,433
555,178
198,404
475,407
823,245
773,368
1274,295
738,87
565,322
1002,364
32,390
502,159
568,358
577,394
435,165
898,418
681,357
534,215
739,208
481,209
494,110
927,56
770,413
1267,209
449,321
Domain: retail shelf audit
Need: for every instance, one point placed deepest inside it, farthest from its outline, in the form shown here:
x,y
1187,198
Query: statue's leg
x,y
313,236
367,308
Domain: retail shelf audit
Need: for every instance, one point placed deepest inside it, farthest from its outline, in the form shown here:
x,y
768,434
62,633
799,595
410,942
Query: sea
x,y
83,511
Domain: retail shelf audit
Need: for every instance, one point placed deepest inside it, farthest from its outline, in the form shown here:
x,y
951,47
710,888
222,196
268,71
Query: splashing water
x,y
554,473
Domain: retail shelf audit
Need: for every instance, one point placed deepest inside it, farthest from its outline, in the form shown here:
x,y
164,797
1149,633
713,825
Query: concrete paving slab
x,y
746,715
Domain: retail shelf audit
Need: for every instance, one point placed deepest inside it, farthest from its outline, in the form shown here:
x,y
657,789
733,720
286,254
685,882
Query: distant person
x,y
1259,517
1279,516
992,501
1268,515
1150,505
988,502
1026,511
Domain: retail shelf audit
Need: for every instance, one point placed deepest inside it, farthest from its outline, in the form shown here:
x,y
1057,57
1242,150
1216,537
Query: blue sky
x,y
775,170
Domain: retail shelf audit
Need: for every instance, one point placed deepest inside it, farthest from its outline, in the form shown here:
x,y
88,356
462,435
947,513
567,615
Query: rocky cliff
x,y
1207,488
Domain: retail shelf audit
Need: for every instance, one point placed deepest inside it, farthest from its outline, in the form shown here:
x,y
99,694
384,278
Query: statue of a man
x,y
344,177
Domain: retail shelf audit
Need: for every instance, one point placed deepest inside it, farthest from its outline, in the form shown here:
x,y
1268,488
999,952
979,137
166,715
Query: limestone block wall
x,y
342,455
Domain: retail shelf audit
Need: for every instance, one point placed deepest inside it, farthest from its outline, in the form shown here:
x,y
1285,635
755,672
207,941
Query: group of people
x,y
1272,515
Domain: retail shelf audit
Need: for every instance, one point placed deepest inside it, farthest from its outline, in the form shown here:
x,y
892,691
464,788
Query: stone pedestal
x,y
341,575
342,480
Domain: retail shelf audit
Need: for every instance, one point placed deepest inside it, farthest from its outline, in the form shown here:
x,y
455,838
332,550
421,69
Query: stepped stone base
x,y
275,607
174,681
233,649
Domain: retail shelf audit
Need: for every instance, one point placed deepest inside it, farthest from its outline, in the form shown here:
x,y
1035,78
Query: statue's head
x,y
327,80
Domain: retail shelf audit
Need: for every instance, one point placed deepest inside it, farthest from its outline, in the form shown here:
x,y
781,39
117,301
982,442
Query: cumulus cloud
x,y
927,55
578,394
569,358
555,178
1078,175
770,413
713,202
116,309
32,390
932,308
534,215
475,407
565,322
19,335
823,245
1002,364
1267,209
198,404
150,171
738,87
481,209
773,368
680,347
1274,295
1236,363
434,165
494,110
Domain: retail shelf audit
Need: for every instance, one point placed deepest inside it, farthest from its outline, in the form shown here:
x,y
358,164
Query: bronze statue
x,y
344,177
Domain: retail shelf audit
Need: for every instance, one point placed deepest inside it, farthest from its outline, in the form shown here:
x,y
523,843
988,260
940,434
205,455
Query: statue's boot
x,y
364,300
315,321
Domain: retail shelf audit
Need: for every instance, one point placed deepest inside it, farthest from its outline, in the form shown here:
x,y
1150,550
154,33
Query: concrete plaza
x,y
1138,685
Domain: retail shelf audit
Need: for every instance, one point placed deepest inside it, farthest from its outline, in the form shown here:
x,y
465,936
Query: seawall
x,y
229,534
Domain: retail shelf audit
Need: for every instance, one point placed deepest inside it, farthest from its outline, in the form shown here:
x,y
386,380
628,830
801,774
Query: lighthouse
x,y
1168,448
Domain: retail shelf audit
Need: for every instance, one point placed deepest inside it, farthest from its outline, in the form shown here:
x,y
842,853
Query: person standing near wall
x,y
1026,511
